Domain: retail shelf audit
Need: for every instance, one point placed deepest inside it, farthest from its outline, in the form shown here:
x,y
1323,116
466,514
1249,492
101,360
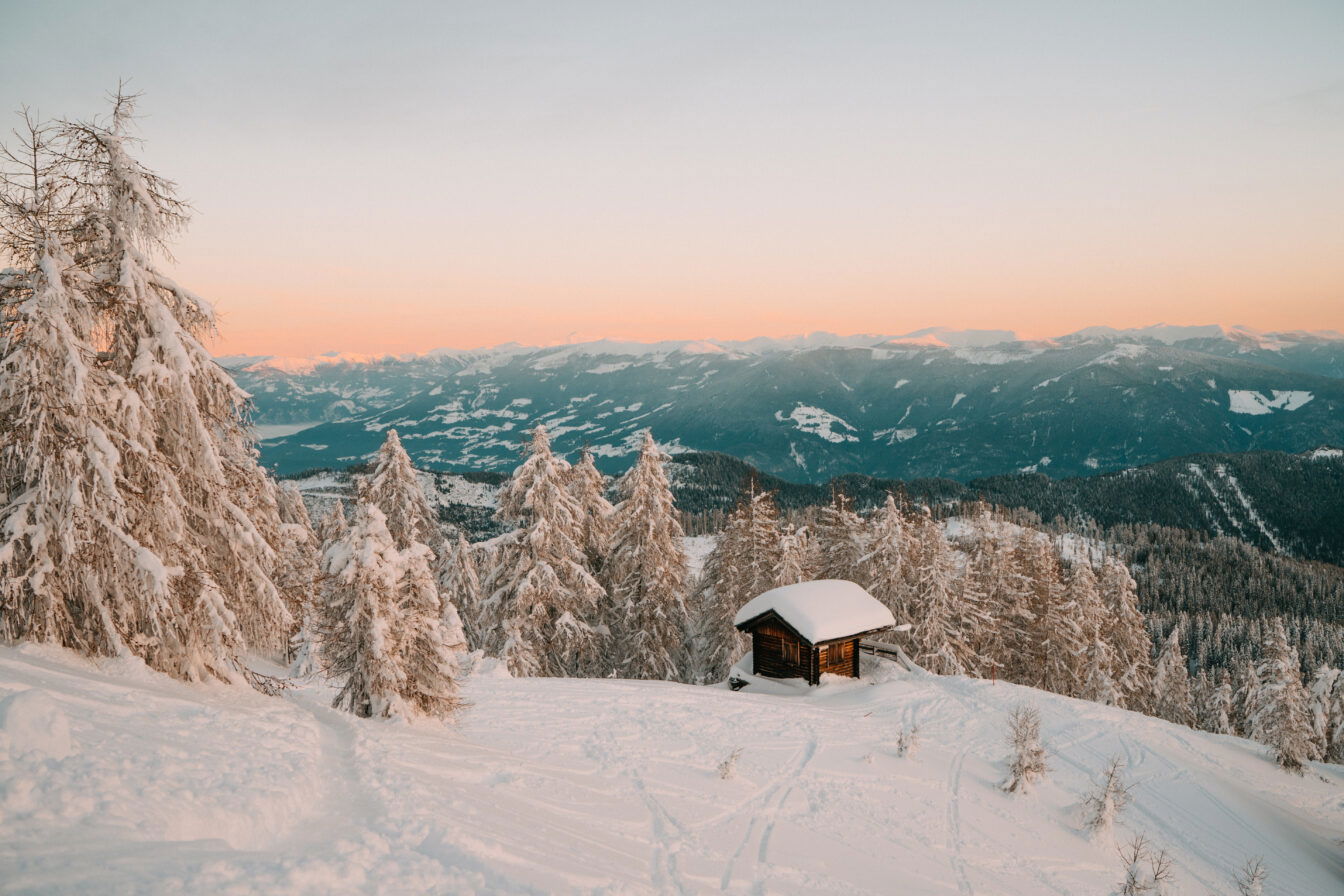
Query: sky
x,y
399,176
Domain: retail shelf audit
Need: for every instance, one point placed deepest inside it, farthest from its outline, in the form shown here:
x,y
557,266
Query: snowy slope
x,y
611,787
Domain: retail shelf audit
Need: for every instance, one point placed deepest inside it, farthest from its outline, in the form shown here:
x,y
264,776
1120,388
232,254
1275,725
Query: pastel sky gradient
x,y
390,177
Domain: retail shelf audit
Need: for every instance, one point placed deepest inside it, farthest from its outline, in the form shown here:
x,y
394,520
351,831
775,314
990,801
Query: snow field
x,y
603,786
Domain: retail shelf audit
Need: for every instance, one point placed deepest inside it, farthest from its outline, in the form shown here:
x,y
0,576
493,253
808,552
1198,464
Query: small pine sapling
x,y
1024,738
907,740
728,767
1251,878
1146,870
1109,799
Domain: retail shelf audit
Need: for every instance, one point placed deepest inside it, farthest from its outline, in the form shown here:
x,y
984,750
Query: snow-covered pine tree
x,y
431,636
797,561
394,488
647,573
1026,763
1071,624
307,642
361,630
1125,632
588,486
298,560
178,564
1278,714
332,525
1215,713
460,586
1041,583
742,565
886,569
1327,713
839,539
945,622
1244,698
988,583
542,600
1098,685
1171,698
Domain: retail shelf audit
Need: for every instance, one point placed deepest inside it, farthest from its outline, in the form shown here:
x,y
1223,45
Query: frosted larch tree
x,y
298,558
990,581
883,568
541,596
1171,698
742,565
1125,632
839,539
647,573
1043,590
178,563
1278,715
588,486
945,622
1327,713
1215,714
361,630
431,636
797,560
394,487
460,586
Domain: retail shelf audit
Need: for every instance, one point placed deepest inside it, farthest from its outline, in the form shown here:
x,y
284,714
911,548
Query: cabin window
x,y
791,651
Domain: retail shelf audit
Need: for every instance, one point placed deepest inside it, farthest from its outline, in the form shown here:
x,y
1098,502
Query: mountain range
x,y
933,403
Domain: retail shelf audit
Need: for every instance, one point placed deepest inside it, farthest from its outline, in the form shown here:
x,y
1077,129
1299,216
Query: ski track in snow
x,y
605,787
954,823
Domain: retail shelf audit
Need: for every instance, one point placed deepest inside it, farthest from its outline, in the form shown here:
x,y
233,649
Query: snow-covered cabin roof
x,y
821,610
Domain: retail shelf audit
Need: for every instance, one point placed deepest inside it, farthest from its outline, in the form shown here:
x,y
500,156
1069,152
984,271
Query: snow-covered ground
x,y
612,787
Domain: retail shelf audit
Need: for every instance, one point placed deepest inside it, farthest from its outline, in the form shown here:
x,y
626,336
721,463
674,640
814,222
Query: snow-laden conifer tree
x,y
1026,763
541,599
1098,684
1171,684
460,586
1126,634
431,636
647,573
1073,623
332,525
298,560
394,488
1278,713
992,583
177,566
589,486
1043,589
1327,713
797,560
886,568
361,631
839,540
946,624
1215,712
742,565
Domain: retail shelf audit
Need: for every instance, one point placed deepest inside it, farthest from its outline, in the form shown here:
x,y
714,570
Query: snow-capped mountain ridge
x,y
961,408
928,337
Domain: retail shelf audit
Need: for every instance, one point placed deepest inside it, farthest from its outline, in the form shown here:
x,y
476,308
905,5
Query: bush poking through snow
x,y
1024,738
728,767
1146,871
1110,798
907,741
1251,878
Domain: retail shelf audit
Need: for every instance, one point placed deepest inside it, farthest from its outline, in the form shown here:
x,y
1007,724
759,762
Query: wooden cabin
x,y
804,630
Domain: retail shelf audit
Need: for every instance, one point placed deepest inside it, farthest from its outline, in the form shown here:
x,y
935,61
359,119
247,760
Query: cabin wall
x,y
777,653
838,658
